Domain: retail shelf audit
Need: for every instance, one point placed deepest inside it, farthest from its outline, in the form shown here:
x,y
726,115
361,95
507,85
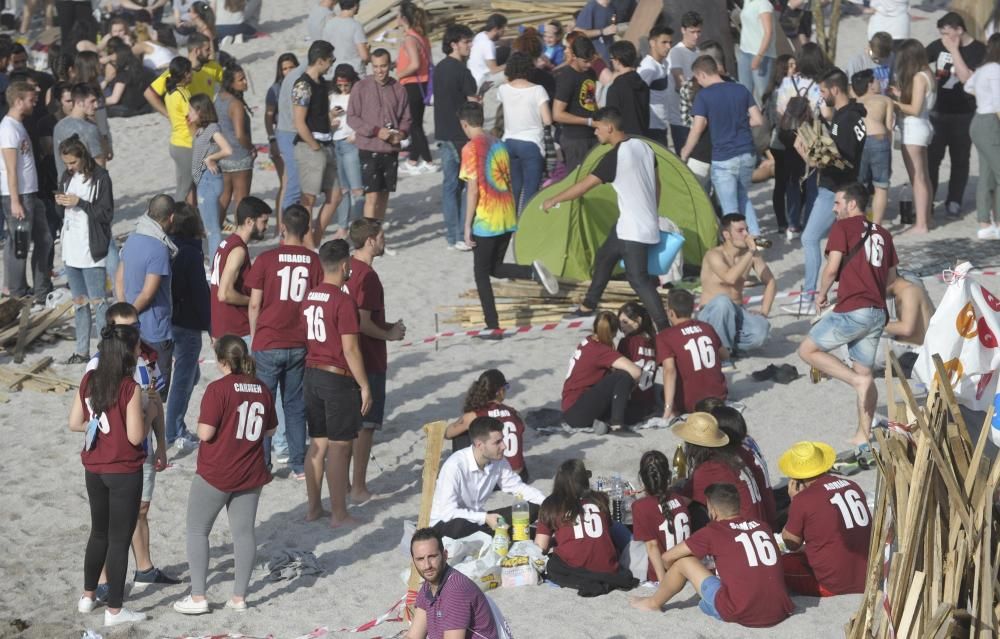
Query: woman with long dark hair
x,y
88,208
915,96
661,518
108,409
526,115
985,131
639,345
209,147
127,83
413,69
177,101
237,413
352,189
234,122
287,62
486,397
579,519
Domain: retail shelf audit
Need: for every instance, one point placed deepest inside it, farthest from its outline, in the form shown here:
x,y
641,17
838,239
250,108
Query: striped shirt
x,y
459,604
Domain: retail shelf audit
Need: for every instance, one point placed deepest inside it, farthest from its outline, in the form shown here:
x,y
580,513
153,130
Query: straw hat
x,y
701,429
805,460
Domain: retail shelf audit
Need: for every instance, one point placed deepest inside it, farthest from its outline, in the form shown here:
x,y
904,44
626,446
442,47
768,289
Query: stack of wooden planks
x,y
34,378
521,303
19,326
378,16
933,562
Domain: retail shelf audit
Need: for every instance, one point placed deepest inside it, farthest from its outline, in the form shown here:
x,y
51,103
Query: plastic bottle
x,y
680,463
501,538
520,520
616,493
22,239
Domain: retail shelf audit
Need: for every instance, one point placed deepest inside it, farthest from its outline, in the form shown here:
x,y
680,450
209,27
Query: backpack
x,y
798,111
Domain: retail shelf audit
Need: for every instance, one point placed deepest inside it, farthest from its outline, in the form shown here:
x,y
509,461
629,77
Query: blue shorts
x,y
373,420
859,329
709,588
876,162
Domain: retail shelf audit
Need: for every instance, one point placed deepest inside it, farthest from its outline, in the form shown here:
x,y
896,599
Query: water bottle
x,y
501,538
680,463
616,493
520,520
22,239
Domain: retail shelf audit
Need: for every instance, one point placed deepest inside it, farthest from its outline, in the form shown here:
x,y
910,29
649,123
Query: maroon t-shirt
x,y
766,494
365,288
864,276
241,408
327,314
112,452
284,275
228,319
694,347
749,565
649,523
587,542
832,518
716,471
590,363
642,351
513,432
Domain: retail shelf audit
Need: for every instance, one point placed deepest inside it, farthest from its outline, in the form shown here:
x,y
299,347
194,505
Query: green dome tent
x,y
566,239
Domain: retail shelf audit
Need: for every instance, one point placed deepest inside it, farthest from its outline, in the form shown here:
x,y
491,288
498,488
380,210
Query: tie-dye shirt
x,y
486,162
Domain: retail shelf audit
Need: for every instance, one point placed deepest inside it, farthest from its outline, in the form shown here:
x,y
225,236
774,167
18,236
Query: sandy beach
x,y
45,516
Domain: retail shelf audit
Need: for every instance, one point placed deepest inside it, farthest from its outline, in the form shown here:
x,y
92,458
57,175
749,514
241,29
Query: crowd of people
x,y
300,332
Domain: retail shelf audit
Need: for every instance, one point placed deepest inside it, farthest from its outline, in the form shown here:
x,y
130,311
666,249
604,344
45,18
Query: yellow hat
x,y
805,460
701,429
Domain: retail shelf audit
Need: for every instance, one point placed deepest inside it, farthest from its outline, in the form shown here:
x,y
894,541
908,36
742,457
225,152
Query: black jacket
x,y
847,129
630,95
189,290
587,583
100,210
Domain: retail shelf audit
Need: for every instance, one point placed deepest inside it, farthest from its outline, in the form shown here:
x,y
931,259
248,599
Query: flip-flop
x,y
846,469
765,373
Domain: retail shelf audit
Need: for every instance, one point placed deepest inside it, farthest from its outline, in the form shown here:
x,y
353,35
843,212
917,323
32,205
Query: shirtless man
x,y
876,157
723,273
913,310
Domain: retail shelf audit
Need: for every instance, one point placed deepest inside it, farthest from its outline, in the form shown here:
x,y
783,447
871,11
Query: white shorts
x,y
917,131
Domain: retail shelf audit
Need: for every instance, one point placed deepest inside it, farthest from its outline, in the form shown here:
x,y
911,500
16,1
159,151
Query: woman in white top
x,y
525,115
352,201
757,49
985,133
88,207
890,16
914,98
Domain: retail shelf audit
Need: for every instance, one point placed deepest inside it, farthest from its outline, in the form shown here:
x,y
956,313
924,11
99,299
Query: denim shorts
x,y
876,162
373,420
710,587
148,476
859,329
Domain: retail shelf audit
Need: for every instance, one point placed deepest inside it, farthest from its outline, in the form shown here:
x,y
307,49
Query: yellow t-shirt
x,y
204,81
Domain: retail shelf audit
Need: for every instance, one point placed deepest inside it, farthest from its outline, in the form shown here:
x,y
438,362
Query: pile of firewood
x,y
933,562
20,325
822,150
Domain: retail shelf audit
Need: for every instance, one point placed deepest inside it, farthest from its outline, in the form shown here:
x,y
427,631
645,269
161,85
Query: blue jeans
x,y
286,146
679,136
209,190
284,368
754,81
352,205
452,193
821,218
88,284
732,180
799,198
186,373
112,260
738,329
526,164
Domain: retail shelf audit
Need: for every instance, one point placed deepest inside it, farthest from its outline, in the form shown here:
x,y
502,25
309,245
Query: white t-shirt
x,y
522,119
657,76
751,30
631,169
76,228
344,130
13,135
483,49
680,57
985,85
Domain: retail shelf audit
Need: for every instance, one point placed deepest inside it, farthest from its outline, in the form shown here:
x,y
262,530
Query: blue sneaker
x,y
153,576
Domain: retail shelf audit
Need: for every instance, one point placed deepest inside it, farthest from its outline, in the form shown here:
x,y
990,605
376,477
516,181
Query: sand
x,y
45,514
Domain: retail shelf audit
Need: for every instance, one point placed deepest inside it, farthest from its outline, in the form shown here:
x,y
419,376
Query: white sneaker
x,y
428,167
547,279
601,428
461,246
226,41
238,38
990,232
406,168
805,308
281,459
124,616
188,606
954,208
85,605
792,234
238,607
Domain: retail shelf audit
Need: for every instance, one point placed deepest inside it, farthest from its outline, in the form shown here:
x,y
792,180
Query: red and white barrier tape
x,y
568,324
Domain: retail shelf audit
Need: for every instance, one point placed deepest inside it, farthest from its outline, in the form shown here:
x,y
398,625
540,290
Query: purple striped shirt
x,y
459,604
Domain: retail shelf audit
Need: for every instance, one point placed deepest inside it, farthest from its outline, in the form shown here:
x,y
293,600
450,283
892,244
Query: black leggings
x,y
780,187
487,260
419,148
458,528
114,509
607,400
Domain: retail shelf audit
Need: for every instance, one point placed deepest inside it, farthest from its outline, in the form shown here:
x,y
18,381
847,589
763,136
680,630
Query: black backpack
x,y
798,111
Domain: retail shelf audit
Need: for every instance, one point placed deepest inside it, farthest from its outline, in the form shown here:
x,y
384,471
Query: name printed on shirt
x,y
691,330
295,258
318,297
246,388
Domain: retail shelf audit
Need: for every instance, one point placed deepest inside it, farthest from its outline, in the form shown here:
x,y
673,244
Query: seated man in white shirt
x,y
469,477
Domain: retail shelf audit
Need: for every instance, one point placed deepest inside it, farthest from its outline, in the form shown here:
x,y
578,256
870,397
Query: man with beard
x,y
230,293
449,604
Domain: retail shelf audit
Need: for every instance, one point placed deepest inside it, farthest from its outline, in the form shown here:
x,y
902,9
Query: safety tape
x,y
568,324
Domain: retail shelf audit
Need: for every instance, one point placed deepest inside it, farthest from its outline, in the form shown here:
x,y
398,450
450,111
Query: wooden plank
x,y
22,330
432,463
40,327
24,376
909,626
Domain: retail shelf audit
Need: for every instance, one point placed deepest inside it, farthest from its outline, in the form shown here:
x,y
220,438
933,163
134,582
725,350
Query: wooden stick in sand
x,y
432,463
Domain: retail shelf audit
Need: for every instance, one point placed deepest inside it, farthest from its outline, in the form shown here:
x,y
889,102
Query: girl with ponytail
x,y
486,399
600,380
237,413
661,518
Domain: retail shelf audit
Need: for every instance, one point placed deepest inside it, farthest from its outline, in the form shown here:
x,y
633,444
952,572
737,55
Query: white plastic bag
x,y
523,565
963,331
473,556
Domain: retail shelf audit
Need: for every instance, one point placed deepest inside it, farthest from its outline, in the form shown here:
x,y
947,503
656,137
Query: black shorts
x,y
379,171
333,405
